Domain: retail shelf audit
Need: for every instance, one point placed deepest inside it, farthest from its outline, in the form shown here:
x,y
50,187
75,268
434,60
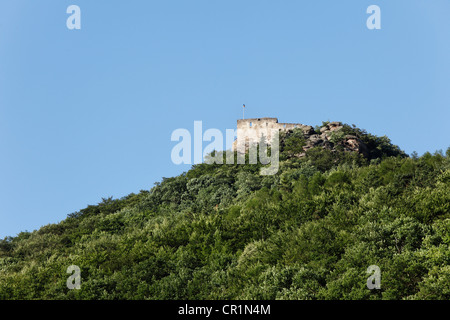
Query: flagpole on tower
x,y
243,111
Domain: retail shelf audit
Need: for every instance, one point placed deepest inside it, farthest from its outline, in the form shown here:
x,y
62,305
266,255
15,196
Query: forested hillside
x,y
227,232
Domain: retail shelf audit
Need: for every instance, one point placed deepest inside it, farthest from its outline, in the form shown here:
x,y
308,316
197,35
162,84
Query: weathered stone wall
x,y
250,131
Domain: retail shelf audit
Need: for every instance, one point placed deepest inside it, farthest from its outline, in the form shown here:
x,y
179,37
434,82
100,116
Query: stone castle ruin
x,y
256,130
252,131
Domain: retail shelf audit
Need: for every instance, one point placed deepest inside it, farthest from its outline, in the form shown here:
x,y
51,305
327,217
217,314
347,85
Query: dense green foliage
x,y
226,232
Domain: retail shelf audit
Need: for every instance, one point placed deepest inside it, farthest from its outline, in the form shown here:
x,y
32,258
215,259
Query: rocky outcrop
x,y
331,137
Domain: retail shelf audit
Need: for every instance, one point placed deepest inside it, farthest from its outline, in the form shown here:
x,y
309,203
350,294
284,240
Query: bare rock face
x,y
315,139
333,126
352,143
327,140
308,130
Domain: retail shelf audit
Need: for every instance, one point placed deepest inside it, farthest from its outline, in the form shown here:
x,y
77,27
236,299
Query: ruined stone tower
x,y
250,131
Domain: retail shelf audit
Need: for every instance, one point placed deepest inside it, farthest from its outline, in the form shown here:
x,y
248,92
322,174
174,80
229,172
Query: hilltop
x,y
342,200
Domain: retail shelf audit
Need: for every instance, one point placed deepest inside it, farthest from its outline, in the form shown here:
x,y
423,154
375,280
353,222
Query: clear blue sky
x,y
86,114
